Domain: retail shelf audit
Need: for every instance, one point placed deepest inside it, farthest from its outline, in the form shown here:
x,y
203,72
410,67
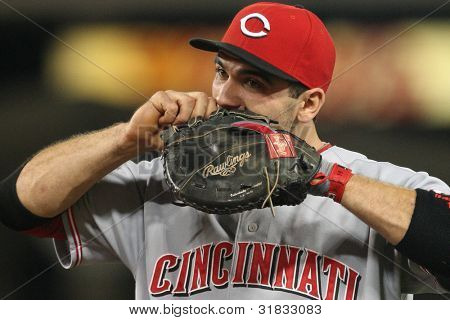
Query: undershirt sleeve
x,y
14,215
427,240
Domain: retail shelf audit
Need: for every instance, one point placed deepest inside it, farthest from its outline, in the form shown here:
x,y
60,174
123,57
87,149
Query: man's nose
x,y
228,96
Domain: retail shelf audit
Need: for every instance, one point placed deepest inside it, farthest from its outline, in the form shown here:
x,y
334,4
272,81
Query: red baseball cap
x,y
287,41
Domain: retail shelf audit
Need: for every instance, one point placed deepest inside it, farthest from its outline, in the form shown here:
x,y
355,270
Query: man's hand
x,y
164,108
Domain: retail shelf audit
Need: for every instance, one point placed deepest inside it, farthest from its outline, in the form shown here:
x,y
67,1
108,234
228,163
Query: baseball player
x,y
276,60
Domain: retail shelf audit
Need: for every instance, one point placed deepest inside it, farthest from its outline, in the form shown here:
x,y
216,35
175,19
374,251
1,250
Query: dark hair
x,y
296,89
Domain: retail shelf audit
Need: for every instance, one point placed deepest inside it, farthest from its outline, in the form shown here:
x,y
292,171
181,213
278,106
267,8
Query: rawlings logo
x,y
228,167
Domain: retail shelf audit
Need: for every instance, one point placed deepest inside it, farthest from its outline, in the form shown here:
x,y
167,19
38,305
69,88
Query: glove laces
x,y
270,191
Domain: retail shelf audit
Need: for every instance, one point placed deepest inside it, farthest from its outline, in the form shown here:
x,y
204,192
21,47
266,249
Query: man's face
x,y
239,85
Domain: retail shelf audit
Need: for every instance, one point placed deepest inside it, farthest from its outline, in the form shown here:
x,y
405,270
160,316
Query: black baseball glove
x,y
236,161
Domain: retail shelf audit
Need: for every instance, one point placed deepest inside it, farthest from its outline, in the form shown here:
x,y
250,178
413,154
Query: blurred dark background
x,y
392,106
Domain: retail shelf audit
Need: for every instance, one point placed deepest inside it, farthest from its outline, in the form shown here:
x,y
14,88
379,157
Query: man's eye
x,y
252,83
220,72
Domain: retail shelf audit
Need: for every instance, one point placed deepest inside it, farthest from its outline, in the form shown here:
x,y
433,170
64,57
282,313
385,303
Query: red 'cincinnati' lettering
x,y
309,282
182,281
160,285
352,285
201,268
219,274
261,264
298,271
287,267
335,271
241,261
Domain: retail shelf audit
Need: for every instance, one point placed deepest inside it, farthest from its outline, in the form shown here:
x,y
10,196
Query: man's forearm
x,y
416,222
59,175
386,208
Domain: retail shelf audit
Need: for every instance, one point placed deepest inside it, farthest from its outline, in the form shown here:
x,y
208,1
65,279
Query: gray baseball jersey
x,y
316,250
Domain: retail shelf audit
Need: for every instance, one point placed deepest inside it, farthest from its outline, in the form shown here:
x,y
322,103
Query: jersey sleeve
x,y
106,224
386,172
414,278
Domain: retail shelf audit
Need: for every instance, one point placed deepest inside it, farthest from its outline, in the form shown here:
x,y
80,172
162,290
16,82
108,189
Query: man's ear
x,y
311,101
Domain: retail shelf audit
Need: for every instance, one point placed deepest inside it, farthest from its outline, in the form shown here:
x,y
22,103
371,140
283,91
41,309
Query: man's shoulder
x,y
351,159
342,156
383,171
358,161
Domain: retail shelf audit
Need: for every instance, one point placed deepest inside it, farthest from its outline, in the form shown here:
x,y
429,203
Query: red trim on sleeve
x,y
443,197
76,238
325,148
53,229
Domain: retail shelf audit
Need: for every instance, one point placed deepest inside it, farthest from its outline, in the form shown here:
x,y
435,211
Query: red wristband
x,y
338,178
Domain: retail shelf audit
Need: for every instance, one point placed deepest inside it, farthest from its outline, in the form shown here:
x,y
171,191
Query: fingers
x,y
201,104
186,105
178,107
212,106
166,106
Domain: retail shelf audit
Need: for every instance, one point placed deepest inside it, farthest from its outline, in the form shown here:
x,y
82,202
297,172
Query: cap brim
x,y
216,46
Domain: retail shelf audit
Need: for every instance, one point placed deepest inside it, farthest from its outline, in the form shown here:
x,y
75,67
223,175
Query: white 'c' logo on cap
x,y
259,34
